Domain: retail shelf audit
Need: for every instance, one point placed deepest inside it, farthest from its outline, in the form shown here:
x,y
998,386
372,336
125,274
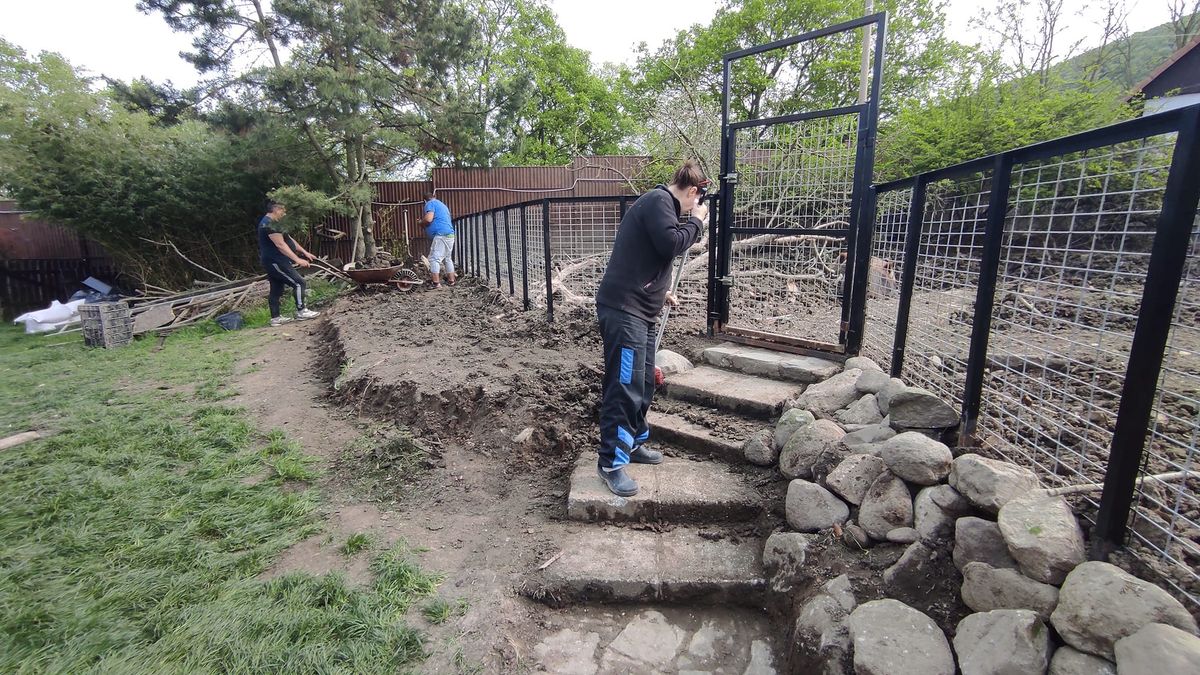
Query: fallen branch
x,y
1096,487
186,259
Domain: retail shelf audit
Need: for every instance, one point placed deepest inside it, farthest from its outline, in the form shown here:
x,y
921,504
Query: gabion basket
x,y
106,324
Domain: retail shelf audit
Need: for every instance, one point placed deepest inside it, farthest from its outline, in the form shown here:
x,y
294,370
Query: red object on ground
x,y
658,377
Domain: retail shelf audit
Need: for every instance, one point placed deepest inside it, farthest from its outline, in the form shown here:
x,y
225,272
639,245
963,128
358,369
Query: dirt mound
x,y
464,365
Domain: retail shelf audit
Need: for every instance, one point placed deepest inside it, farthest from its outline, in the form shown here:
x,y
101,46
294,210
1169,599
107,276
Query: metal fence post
x,y
496,247
908,274
862,271
487,253
1168,258
981,324
512,290
714,211
546,251
524,261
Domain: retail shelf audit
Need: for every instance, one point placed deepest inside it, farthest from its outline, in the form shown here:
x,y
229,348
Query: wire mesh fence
x,y
1032,318
791,214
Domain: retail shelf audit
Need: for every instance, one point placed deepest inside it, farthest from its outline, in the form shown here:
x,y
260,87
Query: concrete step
x,y
732,391
775,365
678,490
617,564
671,428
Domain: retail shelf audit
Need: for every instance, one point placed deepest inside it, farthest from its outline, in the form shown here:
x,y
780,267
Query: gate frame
x,y
861,221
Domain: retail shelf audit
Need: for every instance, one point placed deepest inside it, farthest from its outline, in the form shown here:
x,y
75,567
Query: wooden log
x,y
18,439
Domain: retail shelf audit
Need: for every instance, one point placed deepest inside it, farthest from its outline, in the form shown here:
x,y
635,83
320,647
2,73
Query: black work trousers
x,y
281,274
628,384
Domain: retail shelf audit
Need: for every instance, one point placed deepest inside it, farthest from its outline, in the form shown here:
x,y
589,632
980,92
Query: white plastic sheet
x,y
54,317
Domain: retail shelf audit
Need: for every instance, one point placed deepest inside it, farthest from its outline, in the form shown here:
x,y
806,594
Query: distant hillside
x,y
1125,62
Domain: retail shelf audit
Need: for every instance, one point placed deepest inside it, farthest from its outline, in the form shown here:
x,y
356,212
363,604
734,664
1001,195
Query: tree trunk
x,y
368,219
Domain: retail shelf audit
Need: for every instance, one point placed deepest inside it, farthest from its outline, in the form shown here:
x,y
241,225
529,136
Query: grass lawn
x,y
130,540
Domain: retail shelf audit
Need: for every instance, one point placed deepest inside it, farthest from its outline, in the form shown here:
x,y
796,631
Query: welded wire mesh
x,y
535,253
946,277
581,236
1075,252
883,280
508,229
794,176
1166,517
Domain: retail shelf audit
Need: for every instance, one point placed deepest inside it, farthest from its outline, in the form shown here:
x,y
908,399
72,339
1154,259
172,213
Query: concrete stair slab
x,y
678,431
678,490
732,391
616,564
766,363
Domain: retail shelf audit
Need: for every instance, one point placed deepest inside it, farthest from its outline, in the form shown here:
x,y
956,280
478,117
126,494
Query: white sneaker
x,y
280,320
307,314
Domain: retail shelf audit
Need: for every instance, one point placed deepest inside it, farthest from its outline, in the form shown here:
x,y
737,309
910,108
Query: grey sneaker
x,y
618,482
643,455
307,314
280,320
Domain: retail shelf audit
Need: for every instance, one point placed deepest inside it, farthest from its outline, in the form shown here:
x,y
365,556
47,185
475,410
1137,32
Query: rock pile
x,y
864,456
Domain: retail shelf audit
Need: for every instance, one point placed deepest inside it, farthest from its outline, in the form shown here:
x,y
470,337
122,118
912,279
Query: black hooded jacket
x,y
639,269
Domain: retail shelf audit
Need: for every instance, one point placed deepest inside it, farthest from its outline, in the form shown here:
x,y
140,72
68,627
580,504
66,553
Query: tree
x,y
166,200
1185,20
365,80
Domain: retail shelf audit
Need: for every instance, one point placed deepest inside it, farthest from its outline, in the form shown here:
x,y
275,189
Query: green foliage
x,y
305,207
983,114
136,185
440,610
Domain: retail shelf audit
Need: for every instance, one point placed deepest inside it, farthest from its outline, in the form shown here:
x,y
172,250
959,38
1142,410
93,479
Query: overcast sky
x,y
111,37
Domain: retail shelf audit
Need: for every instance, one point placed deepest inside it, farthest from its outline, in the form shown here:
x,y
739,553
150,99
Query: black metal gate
x,y
795,197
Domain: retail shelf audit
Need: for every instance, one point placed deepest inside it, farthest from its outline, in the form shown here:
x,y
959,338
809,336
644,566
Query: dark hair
x,y
272,205
428,194
689,175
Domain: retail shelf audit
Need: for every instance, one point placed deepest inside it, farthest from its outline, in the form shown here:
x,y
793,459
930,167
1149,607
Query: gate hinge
x,y
730,178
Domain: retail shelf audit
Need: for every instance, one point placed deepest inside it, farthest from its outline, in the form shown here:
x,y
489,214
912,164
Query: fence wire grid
x,y
1074,255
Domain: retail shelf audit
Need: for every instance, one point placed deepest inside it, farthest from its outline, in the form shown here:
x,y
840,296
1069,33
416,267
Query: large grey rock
x,y
569,652
853,476
903,535
886,506
936,509
920,409
914,576
784,556
979,540
828,397
1002,642
862,363
671,363
806,447
891,638
820,629
916,458
872,381
760,448
868,435
864,411
986,588
811,508
989,483
791,420
884,396
1070,661
650,641
1043,535
1101,603
1158,649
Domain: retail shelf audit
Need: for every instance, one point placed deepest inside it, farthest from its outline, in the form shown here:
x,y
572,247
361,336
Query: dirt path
x,y
450,420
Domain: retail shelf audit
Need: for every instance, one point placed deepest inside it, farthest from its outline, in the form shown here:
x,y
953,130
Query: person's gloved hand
x,y
659,380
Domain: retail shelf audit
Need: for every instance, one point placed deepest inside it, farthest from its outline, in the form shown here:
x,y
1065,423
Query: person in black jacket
x,y
628,304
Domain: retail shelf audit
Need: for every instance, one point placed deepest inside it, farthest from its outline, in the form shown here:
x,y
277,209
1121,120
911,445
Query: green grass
x,y
356,543
132,538
439,610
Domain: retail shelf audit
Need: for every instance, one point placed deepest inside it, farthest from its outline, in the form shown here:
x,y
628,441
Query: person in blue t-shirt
x,y
278,252
441,230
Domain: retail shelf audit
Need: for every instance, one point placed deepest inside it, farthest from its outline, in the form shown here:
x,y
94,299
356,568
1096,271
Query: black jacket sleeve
x,y
670,238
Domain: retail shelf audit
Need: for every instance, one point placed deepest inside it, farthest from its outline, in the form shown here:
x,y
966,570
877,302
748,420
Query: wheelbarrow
x,y
395,276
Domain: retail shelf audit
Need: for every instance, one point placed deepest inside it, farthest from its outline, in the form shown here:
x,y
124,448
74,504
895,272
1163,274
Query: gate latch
x,y
726,281
730,178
